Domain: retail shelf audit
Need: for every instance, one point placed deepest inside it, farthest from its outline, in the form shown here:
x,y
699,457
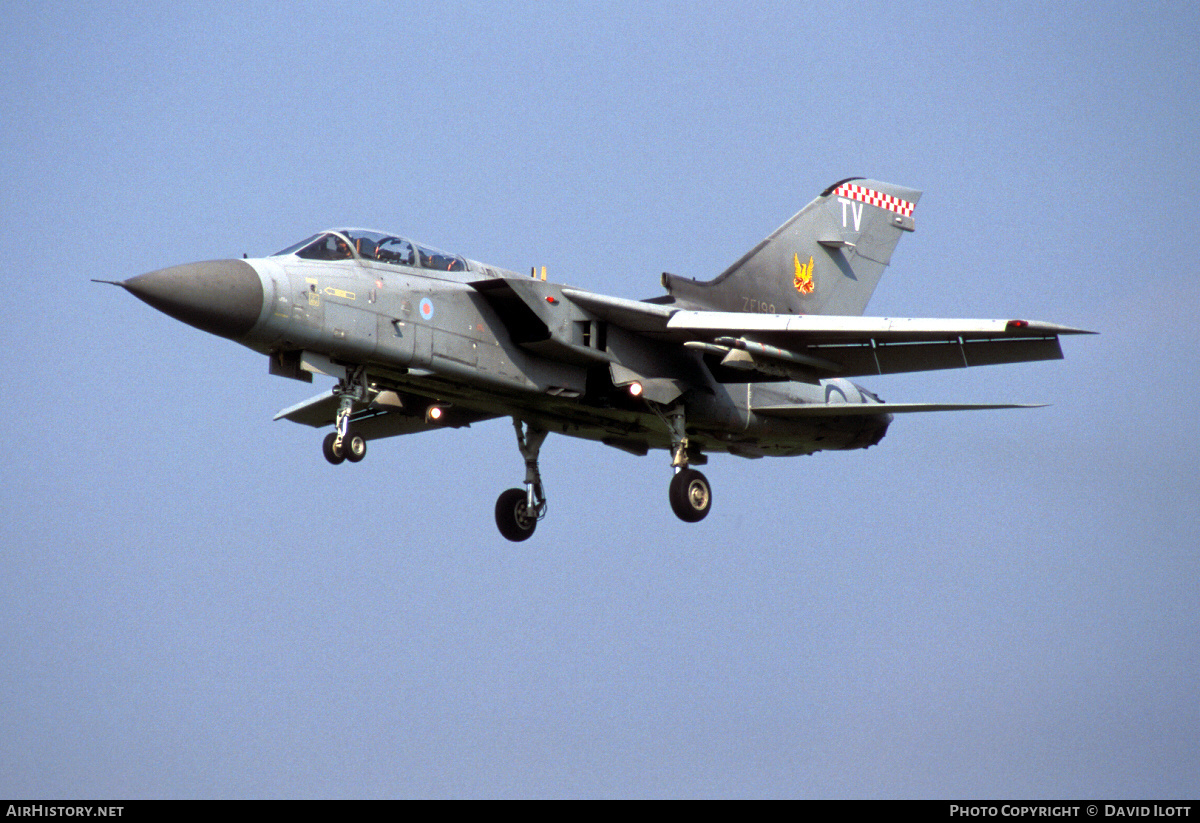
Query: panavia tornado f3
x,y
753,362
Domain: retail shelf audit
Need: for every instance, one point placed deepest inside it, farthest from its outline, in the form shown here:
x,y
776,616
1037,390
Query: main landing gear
x,y
344,444
519,510
691,496
689,492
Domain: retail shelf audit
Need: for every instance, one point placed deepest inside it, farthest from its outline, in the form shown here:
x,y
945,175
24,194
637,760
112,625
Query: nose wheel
x,y
353,447
332,449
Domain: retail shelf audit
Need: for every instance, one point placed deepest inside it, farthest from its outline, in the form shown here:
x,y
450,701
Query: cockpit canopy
x,y
349,244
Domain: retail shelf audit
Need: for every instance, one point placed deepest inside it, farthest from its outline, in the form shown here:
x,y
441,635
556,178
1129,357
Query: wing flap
x,y
814,326
879,356
856,346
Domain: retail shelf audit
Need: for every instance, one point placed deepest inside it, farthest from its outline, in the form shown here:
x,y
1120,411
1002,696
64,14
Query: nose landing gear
x,y
344,444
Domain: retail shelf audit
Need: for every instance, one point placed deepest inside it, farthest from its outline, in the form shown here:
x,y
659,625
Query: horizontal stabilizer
x,y
852,409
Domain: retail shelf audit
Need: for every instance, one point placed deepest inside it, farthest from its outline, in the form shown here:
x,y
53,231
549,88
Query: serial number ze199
x,y
751,304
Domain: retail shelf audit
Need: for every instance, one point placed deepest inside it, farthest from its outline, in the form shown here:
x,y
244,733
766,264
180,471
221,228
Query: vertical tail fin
x,y
826,260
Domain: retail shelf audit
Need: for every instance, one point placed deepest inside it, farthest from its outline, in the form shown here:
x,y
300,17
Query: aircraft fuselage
x,y
497,343
753,362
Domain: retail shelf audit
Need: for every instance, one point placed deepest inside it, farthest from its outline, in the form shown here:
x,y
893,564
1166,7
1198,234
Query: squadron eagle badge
x,y
803,280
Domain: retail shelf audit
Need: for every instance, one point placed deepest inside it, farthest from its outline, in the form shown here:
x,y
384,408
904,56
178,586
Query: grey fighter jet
x,y
753,362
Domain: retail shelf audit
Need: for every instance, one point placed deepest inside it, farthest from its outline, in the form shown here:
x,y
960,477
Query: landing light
x,y
433,414
635,389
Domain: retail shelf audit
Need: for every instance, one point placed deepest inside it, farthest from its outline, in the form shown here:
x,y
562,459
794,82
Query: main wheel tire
x,y
333,455
691,496
513,517
354,446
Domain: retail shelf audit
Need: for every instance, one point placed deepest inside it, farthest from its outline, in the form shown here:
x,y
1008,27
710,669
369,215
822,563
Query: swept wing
x,y
824,346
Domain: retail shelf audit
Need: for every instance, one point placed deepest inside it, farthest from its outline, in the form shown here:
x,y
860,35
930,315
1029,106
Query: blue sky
x,y
995,604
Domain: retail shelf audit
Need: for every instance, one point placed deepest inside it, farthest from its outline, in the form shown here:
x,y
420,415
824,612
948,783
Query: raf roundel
x,y
426,308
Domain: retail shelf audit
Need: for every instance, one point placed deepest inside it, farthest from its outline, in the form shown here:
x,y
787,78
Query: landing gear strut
x,y
519,510
344,444
689,492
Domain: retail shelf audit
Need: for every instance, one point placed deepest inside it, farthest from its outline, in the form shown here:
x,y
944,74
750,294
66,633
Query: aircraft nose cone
x,y
223,297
